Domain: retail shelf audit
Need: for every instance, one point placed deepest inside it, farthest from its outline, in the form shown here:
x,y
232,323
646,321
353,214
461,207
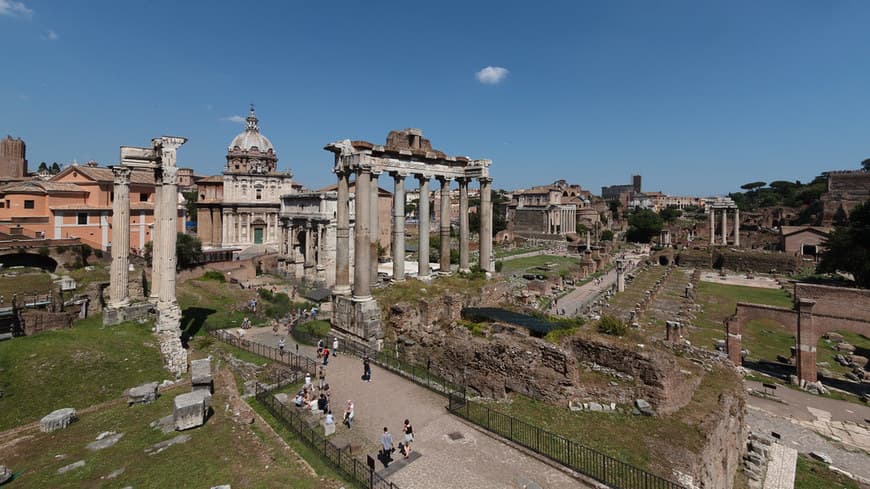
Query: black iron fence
x,y
585,460
358,472
295,361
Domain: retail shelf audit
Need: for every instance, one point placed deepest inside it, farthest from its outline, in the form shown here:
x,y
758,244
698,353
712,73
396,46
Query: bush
x,y
214,275
43,250
266,294
612,326
498,266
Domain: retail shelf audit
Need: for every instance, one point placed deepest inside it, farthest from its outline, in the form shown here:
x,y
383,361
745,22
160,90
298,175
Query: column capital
x,y
122,174
422,177
484,179
444,179
399,174
170,175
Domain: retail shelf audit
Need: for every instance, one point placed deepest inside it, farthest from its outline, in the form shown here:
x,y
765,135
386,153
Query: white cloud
x,y
50,35
491,75
234,118
15,9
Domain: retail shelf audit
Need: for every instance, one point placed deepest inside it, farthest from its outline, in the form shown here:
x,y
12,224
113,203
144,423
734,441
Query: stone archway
x,y
34,260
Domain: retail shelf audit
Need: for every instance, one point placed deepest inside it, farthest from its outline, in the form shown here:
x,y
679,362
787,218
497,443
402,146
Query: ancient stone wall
x,y
725,430
694,258
837,301
755,261
36,321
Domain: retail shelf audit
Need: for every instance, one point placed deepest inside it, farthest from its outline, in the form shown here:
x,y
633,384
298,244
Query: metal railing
x,y
295,361
587,461
358,472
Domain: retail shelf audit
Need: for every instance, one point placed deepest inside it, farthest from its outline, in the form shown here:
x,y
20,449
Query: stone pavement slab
x,y
781,468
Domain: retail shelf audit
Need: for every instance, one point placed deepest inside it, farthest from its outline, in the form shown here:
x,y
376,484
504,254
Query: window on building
x,y
82,218
2,205
143,197
29,204
259,194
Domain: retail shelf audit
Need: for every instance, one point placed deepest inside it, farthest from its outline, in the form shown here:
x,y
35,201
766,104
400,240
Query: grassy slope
x,y
811,474
77,367
529,263
220,452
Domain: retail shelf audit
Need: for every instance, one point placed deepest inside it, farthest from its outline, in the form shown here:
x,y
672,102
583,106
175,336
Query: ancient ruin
x,y
161,159
724,205
406,153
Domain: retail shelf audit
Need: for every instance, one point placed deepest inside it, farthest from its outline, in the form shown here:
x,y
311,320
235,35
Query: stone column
x,y
398,227
725,226
120,238
712,212
620,275
310,262
733,340
737,227
588,241
423,241
374,229
342,238
156,231
463,225
168,235
445,224
806,340
486,224
361,253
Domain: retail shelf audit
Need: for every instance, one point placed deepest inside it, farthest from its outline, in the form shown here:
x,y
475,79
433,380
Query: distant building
x,y
544,210
804,240
241,208
622,193
13,159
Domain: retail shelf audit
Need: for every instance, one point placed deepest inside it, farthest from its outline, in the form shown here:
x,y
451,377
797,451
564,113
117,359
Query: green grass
x,y
719,301
811,474
412,290
501,253
220,452
26,281
77,367
530,264
765,339
825,352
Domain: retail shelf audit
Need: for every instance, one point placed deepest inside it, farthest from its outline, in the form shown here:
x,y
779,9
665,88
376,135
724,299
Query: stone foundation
x,y
137,311
36,321
174,354
361,319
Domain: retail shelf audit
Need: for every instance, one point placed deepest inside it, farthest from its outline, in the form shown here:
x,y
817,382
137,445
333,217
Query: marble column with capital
x,y
486,224
361,253
423,211
444,224
737,227
168,235
398,227
725,226
374,229
310,263
118,291
463,225
342,237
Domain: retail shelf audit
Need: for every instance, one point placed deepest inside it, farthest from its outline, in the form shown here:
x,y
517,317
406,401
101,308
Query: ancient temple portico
x,y
723,206
161,159
405,154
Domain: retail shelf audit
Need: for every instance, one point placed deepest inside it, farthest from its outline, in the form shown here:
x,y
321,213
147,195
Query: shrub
x,y
266,294
214,275
498,266
43,250
611,325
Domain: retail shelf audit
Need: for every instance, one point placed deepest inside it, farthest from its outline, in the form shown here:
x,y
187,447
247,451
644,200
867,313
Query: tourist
x,y
323,403
348,414
325,356
404,449
335,346
408,430
281,347
329,418
307,380
299,400
321,379
320,344
367,370
387,441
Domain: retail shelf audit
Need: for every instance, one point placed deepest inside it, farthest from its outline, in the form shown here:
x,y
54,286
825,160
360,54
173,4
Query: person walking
x,y
325,356
408,430
387,442
348,414
367,370
320,345
335,346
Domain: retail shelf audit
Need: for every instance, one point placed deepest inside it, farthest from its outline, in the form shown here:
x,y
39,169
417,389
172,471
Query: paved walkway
x,y
781,468
452,453
575,302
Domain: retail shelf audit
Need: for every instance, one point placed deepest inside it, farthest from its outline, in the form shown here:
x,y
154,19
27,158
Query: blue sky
x,y
698,97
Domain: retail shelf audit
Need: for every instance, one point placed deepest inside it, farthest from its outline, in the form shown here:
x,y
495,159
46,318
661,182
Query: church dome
x,y
251,137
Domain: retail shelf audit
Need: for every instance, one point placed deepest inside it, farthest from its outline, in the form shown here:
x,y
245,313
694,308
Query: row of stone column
x,y
724,228
367,229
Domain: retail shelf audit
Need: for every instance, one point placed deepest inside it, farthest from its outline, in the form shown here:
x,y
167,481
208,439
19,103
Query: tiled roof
x,y
41,187
105,175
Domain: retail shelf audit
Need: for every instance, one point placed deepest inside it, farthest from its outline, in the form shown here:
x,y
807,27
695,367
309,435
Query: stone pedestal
x,y
200,375
191,410
359,318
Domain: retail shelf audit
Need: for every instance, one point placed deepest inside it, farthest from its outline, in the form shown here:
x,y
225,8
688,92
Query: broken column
x,y
620,275
118,295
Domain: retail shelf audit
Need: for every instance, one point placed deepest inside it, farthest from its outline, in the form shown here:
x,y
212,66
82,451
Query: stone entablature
x,y
724,205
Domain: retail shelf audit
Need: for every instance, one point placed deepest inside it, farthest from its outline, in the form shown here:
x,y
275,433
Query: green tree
x,y
190,198
55,168
42,167
643,225
865,165
614,206
752,185
188,250
607,235
848,247
670,214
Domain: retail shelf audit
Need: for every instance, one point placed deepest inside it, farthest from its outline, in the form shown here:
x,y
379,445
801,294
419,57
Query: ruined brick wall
x,y
36,321
846,189
725,430
755,261
837,301
527,221
694,258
